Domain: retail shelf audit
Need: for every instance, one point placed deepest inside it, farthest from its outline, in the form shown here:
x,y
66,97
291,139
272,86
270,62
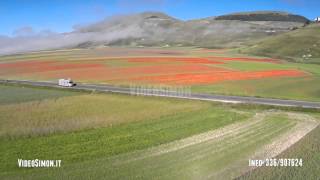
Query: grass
x,y
304,88
115,136
301,88
104,151
313,69
65,114
308,149
79,146
18,94
254,66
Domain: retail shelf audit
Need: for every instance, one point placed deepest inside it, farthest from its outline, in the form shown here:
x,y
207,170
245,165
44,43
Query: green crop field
x,y
17,94
132,137
284,88
300,88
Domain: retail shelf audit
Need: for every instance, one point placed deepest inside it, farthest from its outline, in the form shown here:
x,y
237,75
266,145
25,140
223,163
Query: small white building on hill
x,y
317,19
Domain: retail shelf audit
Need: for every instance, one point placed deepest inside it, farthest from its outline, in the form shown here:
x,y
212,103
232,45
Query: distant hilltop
x,y
159,29
264,16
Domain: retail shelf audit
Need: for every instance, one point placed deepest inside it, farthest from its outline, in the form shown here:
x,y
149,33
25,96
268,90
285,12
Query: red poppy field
x,y
204,70
181,69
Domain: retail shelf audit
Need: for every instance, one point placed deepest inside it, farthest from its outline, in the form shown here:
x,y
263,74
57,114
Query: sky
x,y
29,16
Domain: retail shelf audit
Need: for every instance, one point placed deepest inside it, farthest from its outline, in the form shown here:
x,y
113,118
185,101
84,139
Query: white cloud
x,y
109,30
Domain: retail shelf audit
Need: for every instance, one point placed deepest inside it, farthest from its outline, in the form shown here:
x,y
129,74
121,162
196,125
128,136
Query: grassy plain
x,y
132,137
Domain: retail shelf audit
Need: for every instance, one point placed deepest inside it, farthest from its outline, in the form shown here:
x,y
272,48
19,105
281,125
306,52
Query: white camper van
x,y
66,83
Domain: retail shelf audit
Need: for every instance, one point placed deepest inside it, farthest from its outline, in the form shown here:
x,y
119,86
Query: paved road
x,y
205,97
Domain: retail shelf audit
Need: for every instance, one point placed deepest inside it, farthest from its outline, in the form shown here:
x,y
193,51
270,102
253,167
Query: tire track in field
x,y
304,124
232,130
229,131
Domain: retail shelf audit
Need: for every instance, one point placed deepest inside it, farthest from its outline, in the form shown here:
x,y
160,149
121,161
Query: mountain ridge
x,y
158,29
155,29
264,16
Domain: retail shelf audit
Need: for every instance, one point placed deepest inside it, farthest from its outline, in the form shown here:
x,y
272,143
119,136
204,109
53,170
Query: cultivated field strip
x,y
41,118
215,135
213,145
305,124
210,155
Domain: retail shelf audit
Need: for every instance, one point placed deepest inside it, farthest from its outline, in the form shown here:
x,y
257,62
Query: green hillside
x,y
301,45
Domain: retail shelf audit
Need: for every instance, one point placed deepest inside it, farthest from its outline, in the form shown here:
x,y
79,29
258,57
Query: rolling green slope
x,y
301,45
